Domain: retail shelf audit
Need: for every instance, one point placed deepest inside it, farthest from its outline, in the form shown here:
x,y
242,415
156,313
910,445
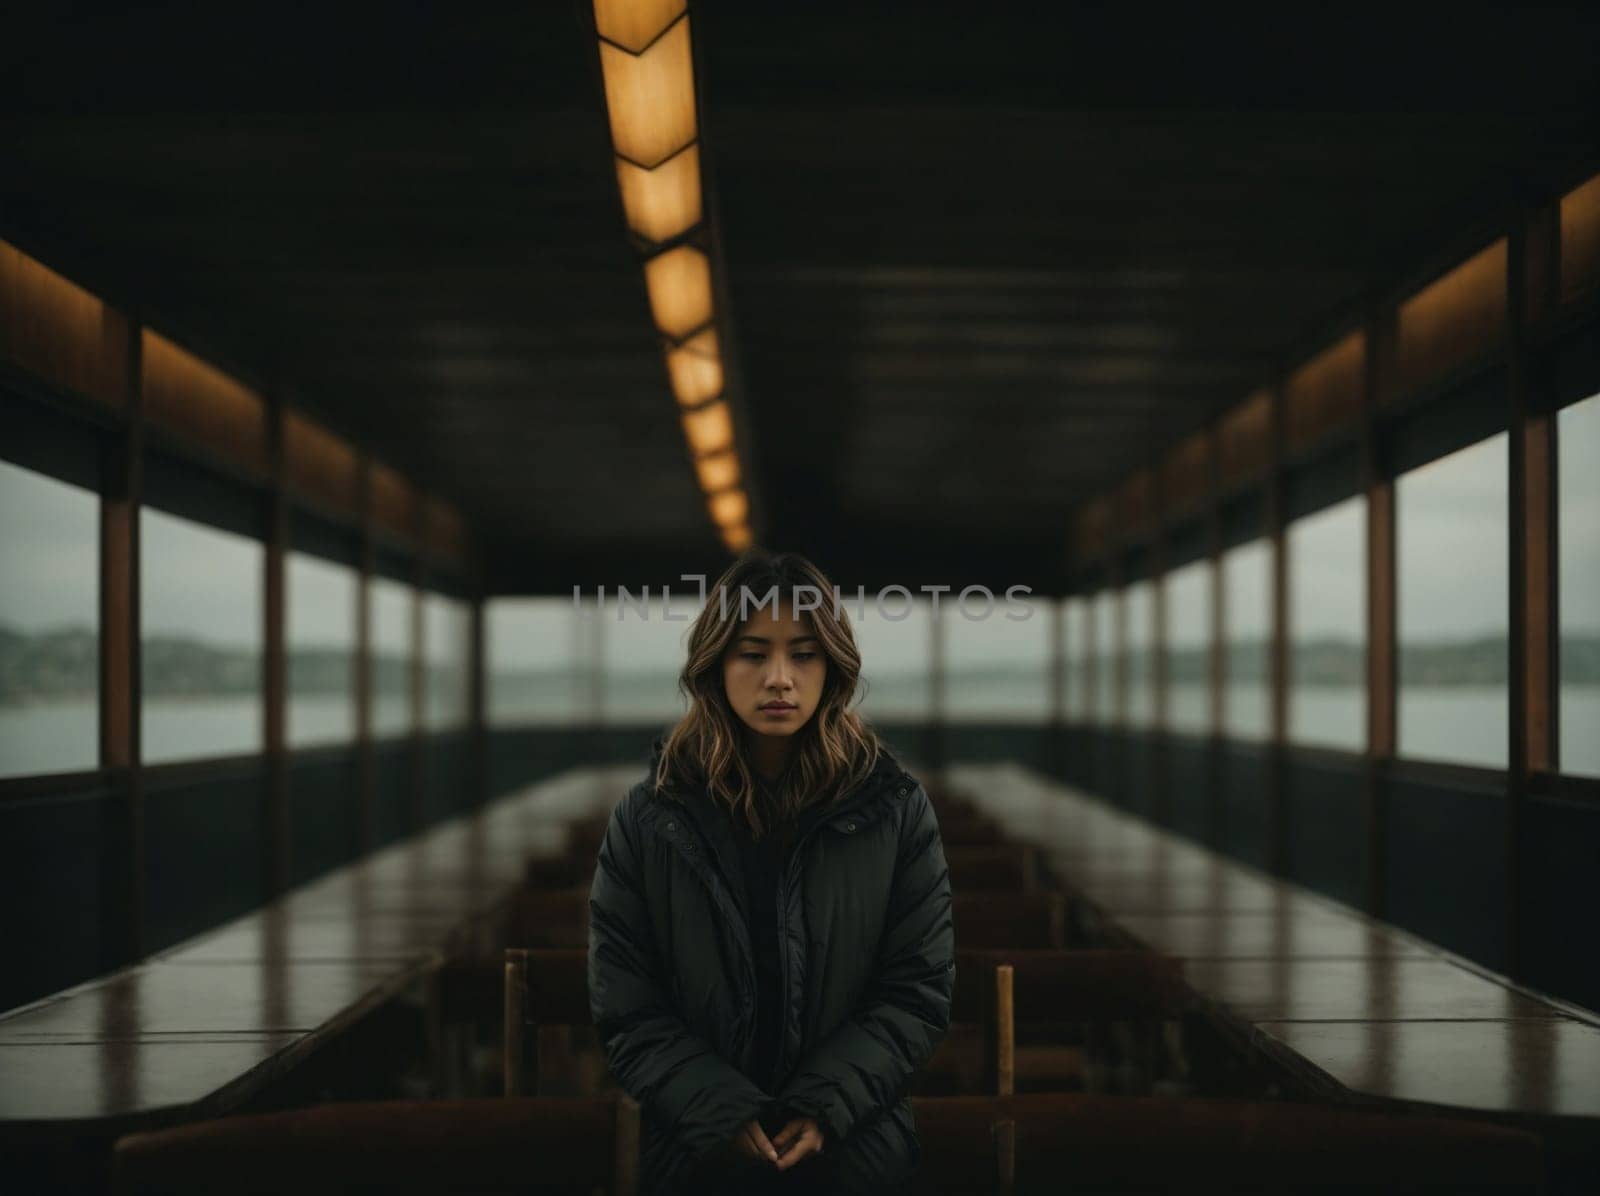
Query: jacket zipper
x,y
741,930
791,872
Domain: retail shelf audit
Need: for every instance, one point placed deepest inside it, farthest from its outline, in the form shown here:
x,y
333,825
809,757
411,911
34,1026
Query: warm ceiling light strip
x,y
647,67
729,509
717,472
634,24
663,203
650,96
695,369
679,283
709,429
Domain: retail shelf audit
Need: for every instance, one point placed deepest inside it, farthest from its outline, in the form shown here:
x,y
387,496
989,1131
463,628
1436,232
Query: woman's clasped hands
x,y
800,1137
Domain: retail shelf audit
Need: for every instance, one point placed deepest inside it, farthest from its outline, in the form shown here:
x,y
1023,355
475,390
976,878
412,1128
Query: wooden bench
x,y
971,830
585,836
206,1026
238,1013
1171,1143
1056,1142
1004,1143
1088,1015
545,997
398,1147
548,918
993,868
1009,919
557,872
1298,993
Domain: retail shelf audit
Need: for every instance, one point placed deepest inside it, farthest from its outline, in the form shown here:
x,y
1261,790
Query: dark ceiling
x,y
980,260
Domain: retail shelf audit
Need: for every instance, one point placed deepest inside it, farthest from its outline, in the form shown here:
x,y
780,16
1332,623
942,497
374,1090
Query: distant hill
x,y
65,664
1336,662
51,664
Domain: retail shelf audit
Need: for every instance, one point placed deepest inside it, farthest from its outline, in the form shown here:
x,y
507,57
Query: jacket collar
x,y
673,813
860,807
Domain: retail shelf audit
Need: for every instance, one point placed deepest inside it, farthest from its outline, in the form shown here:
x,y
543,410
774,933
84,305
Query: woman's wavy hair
x,y
836,749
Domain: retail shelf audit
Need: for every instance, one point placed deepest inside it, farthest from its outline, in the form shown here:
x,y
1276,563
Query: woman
x,y
770,949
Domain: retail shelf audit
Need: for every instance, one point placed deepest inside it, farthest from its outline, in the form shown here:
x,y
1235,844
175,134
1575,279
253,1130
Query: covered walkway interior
x,y
363,393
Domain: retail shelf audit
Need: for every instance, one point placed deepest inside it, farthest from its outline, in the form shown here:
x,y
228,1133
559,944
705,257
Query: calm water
x,y
1461,724
62,736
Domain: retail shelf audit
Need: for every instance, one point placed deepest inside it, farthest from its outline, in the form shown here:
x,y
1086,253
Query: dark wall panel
x,y
395,764
1189,787
1078,762
1326,835
619,745
1140,772
519,756
1105,752
1445,865
447,787
1560,864
913,744
1058,748
1244,803
203,852
1028,745
324,814
58,865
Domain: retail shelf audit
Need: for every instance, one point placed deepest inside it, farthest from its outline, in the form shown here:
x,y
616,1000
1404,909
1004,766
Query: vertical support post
x,y
1533,254
1541,581
366,759
936,691
1161,780
1056,753
1278,655
1093,716
1382,658
477,717
1215,829
1115,730
121,683
597,670
274,663
515,1026
1119,641
1005,1028
417,669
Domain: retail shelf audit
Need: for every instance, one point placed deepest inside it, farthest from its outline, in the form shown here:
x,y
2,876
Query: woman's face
x,y
773,672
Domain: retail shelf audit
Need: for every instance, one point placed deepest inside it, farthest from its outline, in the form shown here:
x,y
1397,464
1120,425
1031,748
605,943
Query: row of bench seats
x,y
1022,972
1038,1142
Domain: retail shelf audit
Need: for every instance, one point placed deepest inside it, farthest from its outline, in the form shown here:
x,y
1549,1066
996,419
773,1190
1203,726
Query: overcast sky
x,y
49,545
322,603
1189,605
1328,572
1451,544
197,582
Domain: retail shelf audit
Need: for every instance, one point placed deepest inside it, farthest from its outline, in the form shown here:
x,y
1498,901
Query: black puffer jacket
x,y
867,953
